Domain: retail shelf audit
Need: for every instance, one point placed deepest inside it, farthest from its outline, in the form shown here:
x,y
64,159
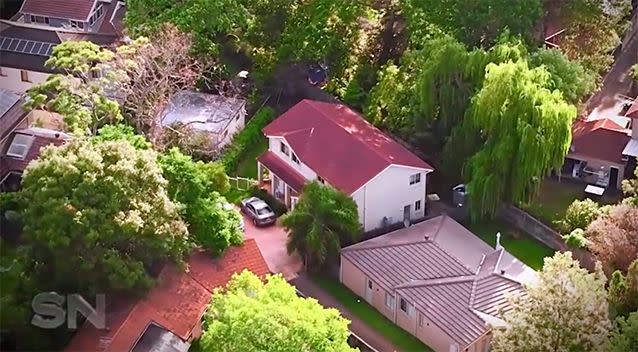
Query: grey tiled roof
x,y
392,265
491,293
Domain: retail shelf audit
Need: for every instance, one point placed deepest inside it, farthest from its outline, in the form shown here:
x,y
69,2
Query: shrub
x,y
578,215
277,206
576,238
250,135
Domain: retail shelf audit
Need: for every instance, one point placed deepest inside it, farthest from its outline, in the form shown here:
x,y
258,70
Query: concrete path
x,y
357,326
607,102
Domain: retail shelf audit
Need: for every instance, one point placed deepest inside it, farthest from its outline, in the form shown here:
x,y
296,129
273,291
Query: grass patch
x,y
520,245
552,200
247,167
361,309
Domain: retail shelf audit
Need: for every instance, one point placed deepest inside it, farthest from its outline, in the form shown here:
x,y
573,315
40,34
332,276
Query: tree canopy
x,y
566,310
321,222
250,315
625,336
97,217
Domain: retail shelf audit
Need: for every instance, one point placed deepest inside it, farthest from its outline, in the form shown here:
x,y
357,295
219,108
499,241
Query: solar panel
x,y
26,46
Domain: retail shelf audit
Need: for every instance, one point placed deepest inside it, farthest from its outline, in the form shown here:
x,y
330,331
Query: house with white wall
x,y
28,38
332,144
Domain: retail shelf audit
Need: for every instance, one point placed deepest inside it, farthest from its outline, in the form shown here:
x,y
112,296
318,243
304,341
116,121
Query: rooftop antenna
x,y
498,241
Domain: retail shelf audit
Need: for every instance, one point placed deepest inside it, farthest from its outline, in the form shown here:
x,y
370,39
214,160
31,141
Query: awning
x,y
285,172
631,149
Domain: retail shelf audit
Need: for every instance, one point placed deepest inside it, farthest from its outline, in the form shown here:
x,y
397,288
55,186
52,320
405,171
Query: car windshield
x,y
263,211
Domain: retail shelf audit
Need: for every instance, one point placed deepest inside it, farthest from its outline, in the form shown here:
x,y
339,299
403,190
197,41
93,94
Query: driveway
x,y
271,241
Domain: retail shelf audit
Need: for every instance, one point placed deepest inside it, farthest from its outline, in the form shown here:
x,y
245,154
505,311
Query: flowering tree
x,y
566,310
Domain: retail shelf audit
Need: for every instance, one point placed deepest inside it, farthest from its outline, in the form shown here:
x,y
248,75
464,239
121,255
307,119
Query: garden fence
x,y
241,183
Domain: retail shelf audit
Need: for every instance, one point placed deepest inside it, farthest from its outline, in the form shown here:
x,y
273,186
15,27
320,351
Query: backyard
x,y
247,167
399,337
520,245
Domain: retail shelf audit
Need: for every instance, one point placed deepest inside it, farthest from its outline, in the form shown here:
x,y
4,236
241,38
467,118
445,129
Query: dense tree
x,y
97,217
121,132
569,77
250,315
77,94
580,214
566,310
630,188
625,336
524,130
479,23
321,222
623,290
197,187
613,238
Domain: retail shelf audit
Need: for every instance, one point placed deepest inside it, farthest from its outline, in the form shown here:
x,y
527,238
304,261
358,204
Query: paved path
x,y
606,103
357,326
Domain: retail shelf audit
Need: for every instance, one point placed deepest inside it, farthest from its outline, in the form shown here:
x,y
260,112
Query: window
x,y
294,158
2,73
389,301
417,205
24,76
411,310
370,284
320,179
284,148
96,15
403,305
414,179
76,24
39,19
421,320
20,146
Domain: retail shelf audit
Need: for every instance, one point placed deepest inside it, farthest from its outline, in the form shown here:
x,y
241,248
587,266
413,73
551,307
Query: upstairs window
x,y
414,179
96,15
294,158
77,24
20,146
403,305
39,19
321,180
284,148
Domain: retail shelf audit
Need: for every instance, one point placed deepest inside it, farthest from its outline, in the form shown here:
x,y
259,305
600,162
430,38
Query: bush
x,y
579,215
576,239
277,206
250,135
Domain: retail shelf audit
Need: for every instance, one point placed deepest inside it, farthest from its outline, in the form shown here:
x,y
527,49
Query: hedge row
x,y
275,204
245,139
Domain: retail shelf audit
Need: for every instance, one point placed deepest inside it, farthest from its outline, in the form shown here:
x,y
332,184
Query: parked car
x,y
229,207
258,211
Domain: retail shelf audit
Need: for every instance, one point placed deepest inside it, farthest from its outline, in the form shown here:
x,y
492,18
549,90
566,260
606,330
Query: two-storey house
x,y
335,146
27,40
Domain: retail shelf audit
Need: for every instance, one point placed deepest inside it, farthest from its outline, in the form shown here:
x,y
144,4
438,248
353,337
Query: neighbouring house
x,y
27,40
217,116
169,317
336,146
20,139
631,149
438,281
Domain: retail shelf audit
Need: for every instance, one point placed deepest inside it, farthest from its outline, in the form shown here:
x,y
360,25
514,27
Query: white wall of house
x,y
234,126
387,194
11,79
274,145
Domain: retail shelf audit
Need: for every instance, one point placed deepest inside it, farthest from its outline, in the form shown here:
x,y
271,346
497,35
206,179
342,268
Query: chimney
x,y
498,241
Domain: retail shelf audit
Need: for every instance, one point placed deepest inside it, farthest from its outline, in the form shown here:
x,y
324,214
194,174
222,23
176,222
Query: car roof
x,y
256,202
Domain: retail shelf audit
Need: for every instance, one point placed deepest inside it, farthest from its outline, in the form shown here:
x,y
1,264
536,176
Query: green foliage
x,y
197,187
250,315
630,189
121,132
579,215
247,137
634,72
322,221
565,310
623,291
625,336
81,100
525,130
576,238
569,77
479,23
97,217
275,204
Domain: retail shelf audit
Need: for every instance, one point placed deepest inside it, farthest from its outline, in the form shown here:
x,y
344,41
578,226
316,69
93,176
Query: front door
x,y
613,178
369,290
406,213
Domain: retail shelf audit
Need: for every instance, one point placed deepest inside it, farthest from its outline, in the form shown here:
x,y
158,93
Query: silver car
x,y
258,211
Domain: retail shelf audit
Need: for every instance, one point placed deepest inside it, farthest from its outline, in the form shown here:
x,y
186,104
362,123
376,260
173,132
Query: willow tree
x,y
525,130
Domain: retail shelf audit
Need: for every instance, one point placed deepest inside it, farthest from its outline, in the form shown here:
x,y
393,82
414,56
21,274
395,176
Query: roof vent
x,y
426,237
502,272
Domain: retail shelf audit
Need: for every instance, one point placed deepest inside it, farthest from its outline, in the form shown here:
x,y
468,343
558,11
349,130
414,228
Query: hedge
x,y
277,206
245,139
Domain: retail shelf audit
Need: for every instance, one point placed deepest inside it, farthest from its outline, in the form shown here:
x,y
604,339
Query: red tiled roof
x,y
600,139
338,144
71,9
633,110
18,165
279,167
177,303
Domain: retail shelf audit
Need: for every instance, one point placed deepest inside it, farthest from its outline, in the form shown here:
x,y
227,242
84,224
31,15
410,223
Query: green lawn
x,y
552,200
520,245
357,306
248,165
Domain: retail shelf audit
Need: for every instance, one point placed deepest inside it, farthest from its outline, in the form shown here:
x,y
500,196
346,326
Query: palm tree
x,y
322,220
